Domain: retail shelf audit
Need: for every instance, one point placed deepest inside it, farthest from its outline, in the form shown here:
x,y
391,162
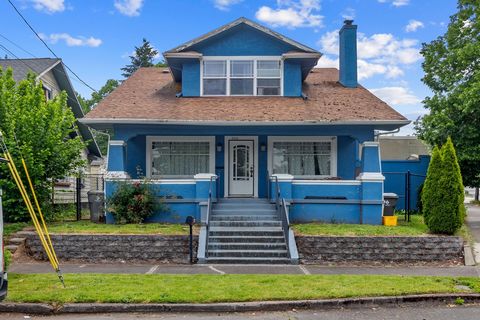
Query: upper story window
x,y
47,92
240,76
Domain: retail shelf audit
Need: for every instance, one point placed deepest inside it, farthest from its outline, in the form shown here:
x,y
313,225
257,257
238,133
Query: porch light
x,y
263,147
219,147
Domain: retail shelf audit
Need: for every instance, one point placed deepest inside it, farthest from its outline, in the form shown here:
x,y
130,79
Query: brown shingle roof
x,y
149,94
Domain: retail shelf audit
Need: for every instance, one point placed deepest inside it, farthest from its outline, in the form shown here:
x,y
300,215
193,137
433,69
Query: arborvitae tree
x,y
449,211
142,57
430,196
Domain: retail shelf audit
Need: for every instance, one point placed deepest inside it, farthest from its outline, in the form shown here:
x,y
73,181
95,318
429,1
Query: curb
x,y
325,304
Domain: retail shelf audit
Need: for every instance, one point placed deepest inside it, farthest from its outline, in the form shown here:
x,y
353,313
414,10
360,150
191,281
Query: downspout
x,y
378,133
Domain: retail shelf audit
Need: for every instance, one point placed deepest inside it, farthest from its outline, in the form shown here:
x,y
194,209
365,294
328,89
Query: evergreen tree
x,y
143,57
446,212
430,200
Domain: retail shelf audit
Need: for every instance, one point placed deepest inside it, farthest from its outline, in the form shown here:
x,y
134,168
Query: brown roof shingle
x,y
150,94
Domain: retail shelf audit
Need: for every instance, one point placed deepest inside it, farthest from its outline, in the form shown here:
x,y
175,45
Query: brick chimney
x,y
348,55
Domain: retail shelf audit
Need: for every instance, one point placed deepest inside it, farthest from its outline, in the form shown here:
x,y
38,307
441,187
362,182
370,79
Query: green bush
x,y
430,197
442,196
133,202
7,259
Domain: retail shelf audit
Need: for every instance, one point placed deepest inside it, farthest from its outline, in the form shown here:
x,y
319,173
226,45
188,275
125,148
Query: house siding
x,y
191,79
292,79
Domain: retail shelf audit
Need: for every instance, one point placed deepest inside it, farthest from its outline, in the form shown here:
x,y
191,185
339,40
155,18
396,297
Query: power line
x,y
8,51
46,45
16,45
24,50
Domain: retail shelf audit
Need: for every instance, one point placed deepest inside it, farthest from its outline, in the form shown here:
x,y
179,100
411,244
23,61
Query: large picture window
x,y
242,77
303,158
179,157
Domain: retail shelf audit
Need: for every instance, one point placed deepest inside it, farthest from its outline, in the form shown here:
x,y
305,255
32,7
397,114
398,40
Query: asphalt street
x,y
407,313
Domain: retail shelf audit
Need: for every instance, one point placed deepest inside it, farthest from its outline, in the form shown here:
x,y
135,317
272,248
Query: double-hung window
x,y
215,78
268,78
303,157
180,157
240,76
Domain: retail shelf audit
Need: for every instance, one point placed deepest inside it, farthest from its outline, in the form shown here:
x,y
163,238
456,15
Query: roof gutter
x,y
89,121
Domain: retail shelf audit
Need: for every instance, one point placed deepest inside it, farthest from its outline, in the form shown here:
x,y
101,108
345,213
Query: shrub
x,y
443,195
430,197
133,202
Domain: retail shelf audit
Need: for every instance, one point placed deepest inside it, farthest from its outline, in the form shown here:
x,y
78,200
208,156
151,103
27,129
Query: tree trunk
x,y
476,193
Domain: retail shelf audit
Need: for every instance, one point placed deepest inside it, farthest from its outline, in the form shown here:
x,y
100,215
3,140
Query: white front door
x,y
241,168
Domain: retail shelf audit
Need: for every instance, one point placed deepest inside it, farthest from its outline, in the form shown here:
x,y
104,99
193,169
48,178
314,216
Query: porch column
x,y
116,170
117,158
371,209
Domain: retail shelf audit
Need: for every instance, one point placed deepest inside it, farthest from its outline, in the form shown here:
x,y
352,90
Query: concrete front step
x,y
245,231
246,239
247,246
257,223
252,211
248,253
245,217
248,260
245,206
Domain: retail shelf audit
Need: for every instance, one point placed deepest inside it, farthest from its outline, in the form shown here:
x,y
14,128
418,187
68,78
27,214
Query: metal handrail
x,y
281,206
209,208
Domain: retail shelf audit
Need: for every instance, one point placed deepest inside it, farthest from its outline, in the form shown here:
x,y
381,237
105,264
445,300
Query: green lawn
x,y
220,288
415,227
87,227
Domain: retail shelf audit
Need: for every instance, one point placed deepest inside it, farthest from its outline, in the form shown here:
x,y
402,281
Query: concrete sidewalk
x,y
464,271
473,223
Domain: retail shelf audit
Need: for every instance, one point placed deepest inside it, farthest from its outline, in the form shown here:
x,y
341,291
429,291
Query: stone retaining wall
x,y
105,248
320,249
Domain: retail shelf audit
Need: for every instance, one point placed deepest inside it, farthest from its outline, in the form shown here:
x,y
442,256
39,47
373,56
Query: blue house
x,y
241,119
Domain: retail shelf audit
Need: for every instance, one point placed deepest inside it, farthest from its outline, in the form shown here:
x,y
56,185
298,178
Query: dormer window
x,y
241,76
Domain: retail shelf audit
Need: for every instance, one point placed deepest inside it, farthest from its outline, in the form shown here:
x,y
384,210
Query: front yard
x,y
137,288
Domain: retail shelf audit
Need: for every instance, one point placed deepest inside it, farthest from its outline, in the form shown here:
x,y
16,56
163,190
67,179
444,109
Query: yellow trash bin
x,y
390,221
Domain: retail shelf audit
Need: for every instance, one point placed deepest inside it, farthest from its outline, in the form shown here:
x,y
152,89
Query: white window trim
x,y
151,139
333,161
228,59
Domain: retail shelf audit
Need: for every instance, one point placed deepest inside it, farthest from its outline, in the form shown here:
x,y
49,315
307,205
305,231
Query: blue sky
x,y
95,37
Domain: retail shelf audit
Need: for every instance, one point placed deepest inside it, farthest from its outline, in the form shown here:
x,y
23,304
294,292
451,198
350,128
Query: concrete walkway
x,y
244,269
473,222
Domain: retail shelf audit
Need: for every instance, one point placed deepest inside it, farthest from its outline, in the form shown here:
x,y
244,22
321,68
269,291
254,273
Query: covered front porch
x,y
327,173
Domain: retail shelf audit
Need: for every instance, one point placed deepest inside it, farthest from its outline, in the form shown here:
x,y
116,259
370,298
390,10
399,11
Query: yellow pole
x,y
39,210
29,205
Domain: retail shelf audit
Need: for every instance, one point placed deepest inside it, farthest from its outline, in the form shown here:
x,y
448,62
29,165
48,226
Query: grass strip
x,y
416,227
87,227
137,288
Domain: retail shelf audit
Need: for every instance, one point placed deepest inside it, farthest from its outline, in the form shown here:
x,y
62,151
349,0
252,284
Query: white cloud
x,y
49,6
129,8
326,62
225,4
414,25
396,3
396,95
291,14
379,54
349,13
70,41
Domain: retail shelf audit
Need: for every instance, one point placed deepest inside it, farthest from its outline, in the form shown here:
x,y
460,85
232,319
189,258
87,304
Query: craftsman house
x,y
242,111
